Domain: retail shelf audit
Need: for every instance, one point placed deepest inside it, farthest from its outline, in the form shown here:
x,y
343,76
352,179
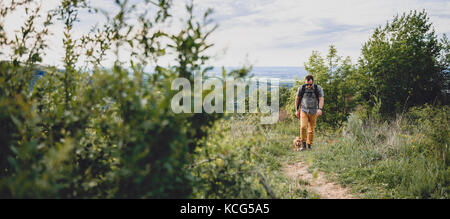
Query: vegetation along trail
x,y
317,182
100,123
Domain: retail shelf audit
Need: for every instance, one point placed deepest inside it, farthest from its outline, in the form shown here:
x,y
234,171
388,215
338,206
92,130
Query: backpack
x,y
302,93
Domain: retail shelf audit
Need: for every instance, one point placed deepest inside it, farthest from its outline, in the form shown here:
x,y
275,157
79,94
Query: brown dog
x,y
297,144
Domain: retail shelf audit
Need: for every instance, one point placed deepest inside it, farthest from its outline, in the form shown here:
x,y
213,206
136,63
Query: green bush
x,y
227,166
404,64
244,159
399,159
339,79
435,129
100,133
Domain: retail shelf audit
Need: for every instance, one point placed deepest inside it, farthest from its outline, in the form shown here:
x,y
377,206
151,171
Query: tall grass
x,y
243,159
405,158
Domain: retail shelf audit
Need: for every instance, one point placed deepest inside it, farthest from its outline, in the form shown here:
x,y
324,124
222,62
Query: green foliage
x,y
285,94
391,160
404,64
244,159
85,131
100,133
290,105
226,167
436,121
339,80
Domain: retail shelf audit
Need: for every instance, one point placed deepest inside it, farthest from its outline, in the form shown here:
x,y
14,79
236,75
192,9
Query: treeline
x,y
387,116
403,64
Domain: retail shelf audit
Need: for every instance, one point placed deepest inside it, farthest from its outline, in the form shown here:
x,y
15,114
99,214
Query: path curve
x,y
324,188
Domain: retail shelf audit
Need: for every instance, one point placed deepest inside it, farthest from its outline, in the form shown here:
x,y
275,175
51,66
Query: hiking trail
x,y
319,184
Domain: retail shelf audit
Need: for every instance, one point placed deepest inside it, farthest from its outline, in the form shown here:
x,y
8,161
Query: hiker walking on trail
x,y
309,105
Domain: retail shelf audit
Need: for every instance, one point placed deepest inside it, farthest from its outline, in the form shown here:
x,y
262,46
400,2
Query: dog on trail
x,y
297,144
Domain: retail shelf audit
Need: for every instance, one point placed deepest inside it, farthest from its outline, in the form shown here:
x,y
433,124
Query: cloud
x,y
284,32
276,32
327,26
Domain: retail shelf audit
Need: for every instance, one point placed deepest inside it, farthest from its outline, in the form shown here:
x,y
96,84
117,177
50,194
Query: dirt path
x,y
325,189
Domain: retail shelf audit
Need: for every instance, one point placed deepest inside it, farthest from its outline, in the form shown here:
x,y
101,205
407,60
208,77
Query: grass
x,y
276,151
273,151
380,160
375,160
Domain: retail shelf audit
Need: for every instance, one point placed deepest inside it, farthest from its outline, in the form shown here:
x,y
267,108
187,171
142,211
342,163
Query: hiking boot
x,y
309,146
303,146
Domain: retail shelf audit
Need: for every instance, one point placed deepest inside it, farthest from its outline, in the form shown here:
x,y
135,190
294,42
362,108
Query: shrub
x,y
100,133
397,159
432,125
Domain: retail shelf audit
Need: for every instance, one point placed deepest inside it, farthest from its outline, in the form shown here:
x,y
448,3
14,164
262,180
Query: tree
x,y
404,64
336,75
103,132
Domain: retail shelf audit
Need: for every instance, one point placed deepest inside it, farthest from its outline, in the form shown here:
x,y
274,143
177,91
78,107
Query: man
x,y
309,105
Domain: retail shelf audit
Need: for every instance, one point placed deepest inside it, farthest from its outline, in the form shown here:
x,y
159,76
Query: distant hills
x,y
281,72
286,74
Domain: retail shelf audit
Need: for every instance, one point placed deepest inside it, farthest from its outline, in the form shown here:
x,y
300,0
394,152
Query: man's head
x,y
309,81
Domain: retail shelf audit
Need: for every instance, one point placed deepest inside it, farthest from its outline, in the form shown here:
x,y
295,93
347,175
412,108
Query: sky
x,y
285,32
278,32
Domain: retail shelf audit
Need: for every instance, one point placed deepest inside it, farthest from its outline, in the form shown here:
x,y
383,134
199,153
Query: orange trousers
x,y
308,122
